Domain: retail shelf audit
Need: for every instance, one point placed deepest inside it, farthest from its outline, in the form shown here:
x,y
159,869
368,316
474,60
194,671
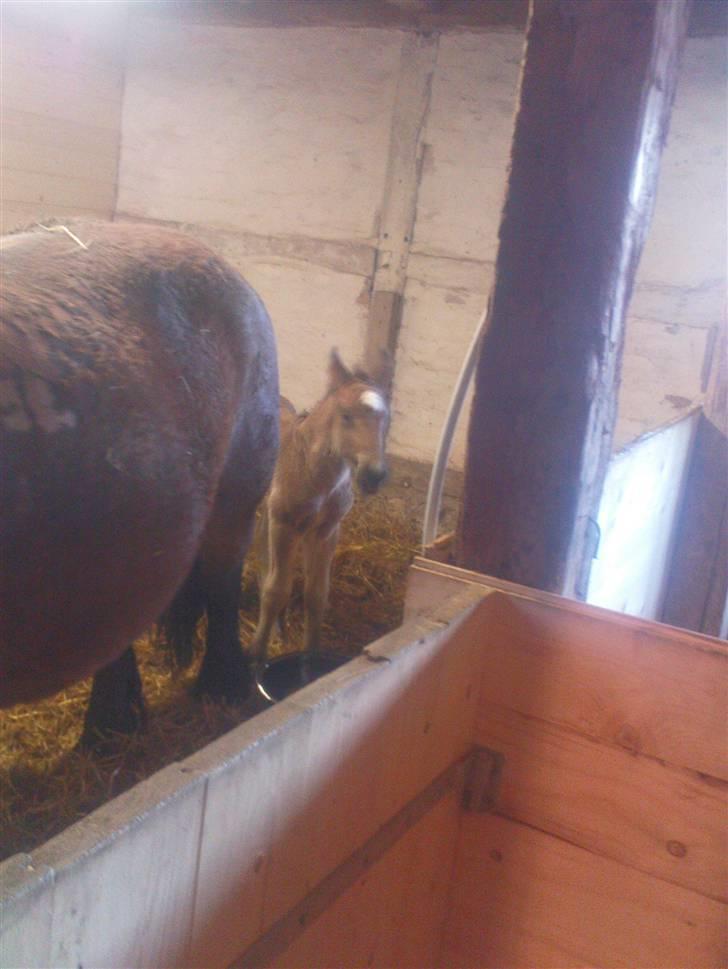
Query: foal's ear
x,y
338,373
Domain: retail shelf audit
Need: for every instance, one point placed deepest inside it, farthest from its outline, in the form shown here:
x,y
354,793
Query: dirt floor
x,y
47,784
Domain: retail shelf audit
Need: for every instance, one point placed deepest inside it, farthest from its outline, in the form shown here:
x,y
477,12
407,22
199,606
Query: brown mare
x,y
312,491
138,433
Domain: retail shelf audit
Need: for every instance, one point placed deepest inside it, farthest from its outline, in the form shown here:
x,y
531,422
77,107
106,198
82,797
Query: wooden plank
x,y
74,100
399,205
43,188
525,898
44,61
275,944
452,578
86,35
666,822
26,912
574,223
640,685
59,134
16,214
119,885
636,688
394,914
24,154
302,796
417,15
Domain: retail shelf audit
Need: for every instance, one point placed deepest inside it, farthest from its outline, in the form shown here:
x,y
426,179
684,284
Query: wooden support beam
x,y
399,206
597,90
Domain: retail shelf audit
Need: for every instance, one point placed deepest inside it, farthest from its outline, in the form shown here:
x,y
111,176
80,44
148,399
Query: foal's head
x,y
360,422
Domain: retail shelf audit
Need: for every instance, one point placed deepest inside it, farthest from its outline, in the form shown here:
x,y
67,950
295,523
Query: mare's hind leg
x,y
116,704
225,672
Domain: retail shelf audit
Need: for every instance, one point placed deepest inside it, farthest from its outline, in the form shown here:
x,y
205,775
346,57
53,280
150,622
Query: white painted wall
x,y
279,134
273,144
61,88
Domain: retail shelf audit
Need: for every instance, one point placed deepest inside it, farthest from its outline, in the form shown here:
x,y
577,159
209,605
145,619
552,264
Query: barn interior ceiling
x,y
707,18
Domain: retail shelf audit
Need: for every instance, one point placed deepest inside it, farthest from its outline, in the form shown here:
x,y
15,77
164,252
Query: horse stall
x,y
509,779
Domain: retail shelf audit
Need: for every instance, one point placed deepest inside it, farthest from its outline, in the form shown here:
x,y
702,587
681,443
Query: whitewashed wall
x,y
279,138
61,92
272,143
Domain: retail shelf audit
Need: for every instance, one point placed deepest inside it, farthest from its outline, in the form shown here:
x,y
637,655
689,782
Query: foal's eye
x,y
347,418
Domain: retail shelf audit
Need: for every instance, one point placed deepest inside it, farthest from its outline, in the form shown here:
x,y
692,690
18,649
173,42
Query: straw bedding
x,y
46,784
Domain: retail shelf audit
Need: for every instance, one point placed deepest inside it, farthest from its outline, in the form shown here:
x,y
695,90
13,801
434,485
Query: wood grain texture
x,y
525,898
283,814
645,687
389,918
633,686
664,821
576,215
115,890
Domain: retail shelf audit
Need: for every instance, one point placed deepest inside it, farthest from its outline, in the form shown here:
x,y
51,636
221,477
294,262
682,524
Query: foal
x,y
312,491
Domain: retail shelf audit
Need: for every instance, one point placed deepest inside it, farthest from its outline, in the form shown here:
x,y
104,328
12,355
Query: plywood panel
x,y
329,775
645,687
525,898
26,900
394,915
630,684
665,821
117,889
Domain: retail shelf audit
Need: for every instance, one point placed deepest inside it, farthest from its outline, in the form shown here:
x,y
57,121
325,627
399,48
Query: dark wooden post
x,y
596,94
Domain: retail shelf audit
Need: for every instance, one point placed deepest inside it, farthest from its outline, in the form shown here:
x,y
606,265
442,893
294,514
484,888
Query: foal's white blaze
x,y
373,400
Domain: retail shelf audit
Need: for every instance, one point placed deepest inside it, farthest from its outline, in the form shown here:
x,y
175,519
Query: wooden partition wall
x,y
348,826
609,845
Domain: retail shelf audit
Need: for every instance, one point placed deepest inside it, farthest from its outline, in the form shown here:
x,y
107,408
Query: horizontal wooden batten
x,y
45,189
526,898
668,822
14,215
58,134
355,258
76,103
22,154
644,687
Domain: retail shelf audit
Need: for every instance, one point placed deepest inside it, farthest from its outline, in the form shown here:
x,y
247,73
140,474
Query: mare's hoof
x,y
101,734
231,684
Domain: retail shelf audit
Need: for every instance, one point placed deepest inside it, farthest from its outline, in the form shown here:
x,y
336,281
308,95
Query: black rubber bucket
x,y
292,671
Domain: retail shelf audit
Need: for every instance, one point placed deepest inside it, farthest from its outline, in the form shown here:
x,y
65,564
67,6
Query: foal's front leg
x,y
282,542
318,551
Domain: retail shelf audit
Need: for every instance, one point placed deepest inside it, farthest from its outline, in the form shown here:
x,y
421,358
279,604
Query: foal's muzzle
x,y
369,477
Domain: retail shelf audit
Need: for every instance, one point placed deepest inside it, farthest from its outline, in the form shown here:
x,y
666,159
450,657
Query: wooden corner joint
x,y
483,774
